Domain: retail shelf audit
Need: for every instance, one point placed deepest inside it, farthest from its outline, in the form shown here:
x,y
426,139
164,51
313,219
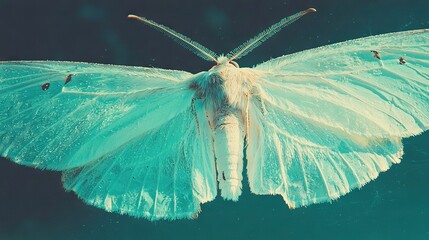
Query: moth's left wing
x,y
328,120
60,115
166,173
129,139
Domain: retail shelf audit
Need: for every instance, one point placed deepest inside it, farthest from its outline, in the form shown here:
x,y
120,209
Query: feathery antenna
x,y
254,42
186,42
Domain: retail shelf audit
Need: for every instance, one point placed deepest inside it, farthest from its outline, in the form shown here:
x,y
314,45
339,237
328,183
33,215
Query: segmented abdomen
x,y
228,146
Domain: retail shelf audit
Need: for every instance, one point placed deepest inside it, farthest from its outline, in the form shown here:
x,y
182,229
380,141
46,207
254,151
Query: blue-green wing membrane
x,y
121,134
165,174
307,163
328,120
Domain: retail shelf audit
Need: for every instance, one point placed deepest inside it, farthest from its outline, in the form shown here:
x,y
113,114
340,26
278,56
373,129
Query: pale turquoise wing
x,y
48,123
328,120
164,174
306,162
345,86
105,125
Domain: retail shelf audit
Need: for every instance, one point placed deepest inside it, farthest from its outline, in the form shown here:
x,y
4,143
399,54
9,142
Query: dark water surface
x,y
33,204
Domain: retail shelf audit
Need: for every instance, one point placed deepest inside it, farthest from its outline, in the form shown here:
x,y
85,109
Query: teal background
x,y
33,204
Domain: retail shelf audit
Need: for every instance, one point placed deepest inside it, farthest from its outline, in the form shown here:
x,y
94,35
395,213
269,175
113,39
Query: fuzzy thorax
x,y
225,91
225,84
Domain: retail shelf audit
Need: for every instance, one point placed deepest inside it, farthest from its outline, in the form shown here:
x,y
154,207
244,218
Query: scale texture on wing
x,y
328,120
306,162
48,123
164,174
346,86
111,122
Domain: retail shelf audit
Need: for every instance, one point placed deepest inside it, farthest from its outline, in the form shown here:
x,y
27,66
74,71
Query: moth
x,y
158,143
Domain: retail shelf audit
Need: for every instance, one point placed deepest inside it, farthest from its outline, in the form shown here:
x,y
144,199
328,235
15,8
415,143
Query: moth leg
x,y
195,115
260,100
264,110
247,118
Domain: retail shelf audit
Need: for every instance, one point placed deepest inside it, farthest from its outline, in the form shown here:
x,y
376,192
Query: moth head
x,y
224,68
223,62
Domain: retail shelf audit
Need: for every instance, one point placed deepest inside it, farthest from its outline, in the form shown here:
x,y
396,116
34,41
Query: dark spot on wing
x,y
45,86
198,91
376,54
68,78
402,60
194,86
223,176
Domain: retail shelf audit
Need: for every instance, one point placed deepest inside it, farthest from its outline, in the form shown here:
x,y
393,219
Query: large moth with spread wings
x,y
157,143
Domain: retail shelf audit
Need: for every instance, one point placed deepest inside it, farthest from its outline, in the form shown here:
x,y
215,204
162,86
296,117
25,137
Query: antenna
x,y
186,42
254,42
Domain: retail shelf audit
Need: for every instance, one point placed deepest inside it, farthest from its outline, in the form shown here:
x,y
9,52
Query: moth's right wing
x,y
327,120
376,86
126,138
306,162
